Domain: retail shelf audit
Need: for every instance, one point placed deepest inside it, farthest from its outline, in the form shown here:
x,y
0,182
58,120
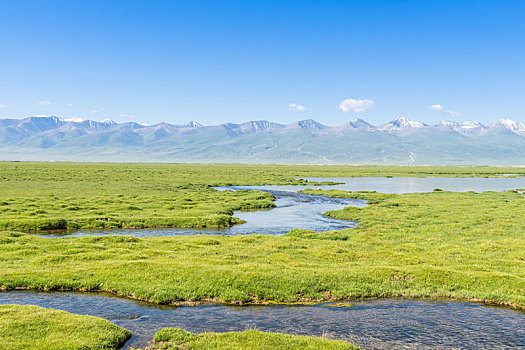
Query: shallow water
x,y
372,324
303,211
294,210
419,184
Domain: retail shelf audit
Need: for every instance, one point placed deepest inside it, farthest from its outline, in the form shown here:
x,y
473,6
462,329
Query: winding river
x,y
294,210
298,210
372,324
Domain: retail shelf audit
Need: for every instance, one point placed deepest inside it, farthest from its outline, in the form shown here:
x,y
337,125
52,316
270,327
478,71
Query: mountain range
x,y
401,141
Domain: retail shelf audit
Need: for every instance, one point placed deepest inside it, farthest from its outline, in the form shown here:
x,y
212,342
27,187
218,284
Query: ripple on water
x,y
374,324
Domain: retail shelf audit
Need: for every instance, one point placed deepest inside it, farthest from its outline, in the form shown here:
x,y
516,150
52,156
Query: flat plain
x,y
467,246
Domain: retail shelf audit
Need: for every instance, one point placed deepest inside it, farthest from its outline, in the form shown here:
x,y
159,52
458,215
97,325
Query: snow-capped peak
x,y
108,122
465,127
448,123
193,124
469,124
512,125
402,123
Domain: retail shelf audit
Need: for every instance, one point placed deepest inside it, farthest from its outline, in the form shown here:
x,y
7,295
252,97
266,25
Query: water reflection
x,y
294,210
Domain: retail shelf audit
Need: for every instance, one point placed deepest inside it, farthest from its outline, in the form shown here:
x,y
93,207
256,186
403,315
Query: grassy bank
x,y
197,208
440,244
175,338
33,327
39,196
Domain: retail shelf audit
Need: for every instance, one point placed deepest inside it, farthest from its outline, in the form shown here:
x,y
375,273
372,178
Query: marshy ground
x,y
467,246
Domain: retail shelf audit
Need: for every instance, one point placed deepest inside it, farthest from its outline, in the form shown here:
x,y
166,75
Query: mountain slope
x,y
400,141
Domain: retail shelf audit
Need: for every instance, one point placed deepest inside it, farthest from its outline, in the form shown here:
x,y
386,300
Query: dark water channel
x,y
372,324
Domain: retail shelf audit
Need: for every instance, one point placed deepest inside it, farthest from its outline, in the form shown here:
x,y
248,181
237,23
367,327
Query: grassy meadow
x,y
176,338
467,246
33,327
44,196
438,244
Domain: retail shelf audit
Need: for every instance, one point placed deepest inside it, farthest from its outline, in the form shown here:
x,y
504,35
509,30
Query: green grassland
x,y
33,327
40,196
196,208
468,246
176,338
441,245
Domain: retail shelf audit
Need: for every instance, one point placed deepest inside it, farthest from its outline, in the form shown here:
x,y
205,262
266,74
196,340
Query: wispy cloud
x,y
294,107
441,109
93,111
69,104
2,106
351,105
44,102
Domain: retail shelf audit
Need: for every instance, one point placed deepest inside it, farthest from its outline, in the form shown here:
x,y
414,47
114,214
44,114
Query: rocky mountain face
x,y
401,141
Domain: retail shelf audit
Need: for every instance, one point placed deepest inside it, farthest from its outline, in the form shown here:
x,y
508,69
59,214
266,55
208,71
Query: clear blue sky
x,y
219,61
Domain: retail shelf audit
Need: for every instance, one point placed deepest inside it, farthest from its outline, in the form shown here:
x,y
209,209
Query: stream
x,y
371,324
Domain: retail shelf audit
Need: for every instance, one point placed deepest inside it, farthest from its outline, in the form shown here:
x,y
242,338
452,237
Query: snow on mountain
x,y
356,141
401,124
192,124
467,128
516,127
258,126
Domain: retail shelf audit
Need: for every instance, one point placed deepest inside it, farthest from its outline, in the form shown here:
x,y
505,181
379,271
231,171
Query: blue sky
x,y
234,61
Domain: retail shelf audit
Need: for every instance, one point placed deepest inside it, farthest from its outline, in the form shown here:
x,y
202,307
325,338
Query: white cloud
x,y
441,109
351,105
42,116
44,102
94,111
2,106
294,107
69,104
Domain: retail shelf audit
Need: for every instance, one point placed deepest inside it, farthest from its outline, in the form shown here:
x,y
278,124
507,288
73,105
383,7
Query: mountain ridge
x,y
401,141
